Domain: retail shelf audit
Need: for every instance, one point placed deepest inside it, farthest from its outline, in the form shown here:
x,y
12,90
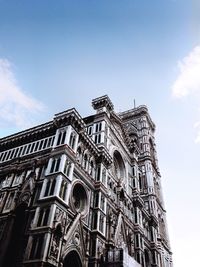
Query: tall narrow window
x,y
95,220
18,179
98,173
98,127
36,249
55,165
134,182
102,205
104,176
61,137
10,200
91,170
96,200
63,190
72,140
67,167
37,192
101,223
136,216
97,138
2,197
133,170
89,130
50,186
85,161
140,182
79,153
43,216
52,165
47,188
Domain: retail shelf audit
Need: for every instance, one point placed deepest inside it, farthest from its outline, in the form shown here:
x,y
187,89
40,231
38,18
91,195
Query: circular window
x,y
79,198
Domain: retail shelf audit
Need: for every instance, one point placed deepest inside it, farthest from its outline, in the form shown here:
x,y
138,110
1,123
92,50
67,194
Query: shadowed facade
x,y
83,192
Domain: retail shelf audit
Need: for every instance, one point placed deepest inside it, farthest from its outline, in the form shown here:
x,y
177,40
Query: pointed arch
x,y
72,259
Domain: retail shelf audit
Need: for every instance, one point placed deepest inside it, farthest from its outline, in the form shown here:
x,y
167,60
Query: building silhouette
x,y
83,192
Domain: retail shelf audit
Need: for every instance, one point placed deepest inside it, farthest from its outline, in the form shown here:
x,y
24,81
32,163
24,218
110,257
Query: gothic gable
x,y
121,240
74,238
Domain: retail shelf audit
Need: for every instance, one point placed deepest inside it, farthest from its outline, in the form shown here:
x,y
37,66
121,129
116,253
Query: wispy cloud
x,y
16,107
188,80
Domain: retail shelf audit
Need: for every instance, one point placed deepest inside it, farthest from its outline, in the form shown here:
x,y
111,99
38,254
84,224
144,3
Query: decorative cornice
x,y
103,101
70,116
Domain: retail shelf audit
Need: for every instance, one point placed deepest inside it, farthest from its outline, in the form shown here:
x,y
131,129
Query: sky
x,y
55,55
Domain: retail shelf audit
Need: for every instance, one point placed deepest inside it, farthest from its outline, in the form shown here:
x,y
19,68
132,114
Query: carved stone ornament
x,y
24,197
76,239
54,247
60,218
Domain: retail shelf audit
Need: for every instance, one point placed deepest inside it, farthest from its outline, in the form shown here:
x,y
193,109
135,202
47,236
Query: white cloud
x,y
16,107
188,81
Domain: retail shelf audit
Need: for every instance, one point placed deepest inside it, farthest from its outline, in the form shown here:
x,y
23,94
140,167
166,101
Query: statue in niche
x,y
131,241
100,248
60,218
112,223
54,248
56,237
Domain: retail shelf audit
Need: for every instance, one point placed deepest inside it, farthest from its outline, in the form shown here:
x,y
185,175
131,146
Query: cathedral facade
x,y
83,192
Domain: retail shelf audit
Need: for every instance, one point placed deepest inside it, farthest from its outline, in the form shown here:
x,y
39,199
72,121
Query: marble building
x,y
83,192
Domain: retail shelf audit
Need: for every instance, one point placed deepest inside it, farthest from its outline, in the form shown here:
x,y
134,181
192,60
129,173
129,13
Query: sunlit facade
x,y
83,192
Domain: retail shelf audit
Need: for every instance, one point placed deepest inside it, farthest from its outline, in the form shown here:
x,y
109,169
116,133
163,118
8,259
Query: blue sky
x,y
55,55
